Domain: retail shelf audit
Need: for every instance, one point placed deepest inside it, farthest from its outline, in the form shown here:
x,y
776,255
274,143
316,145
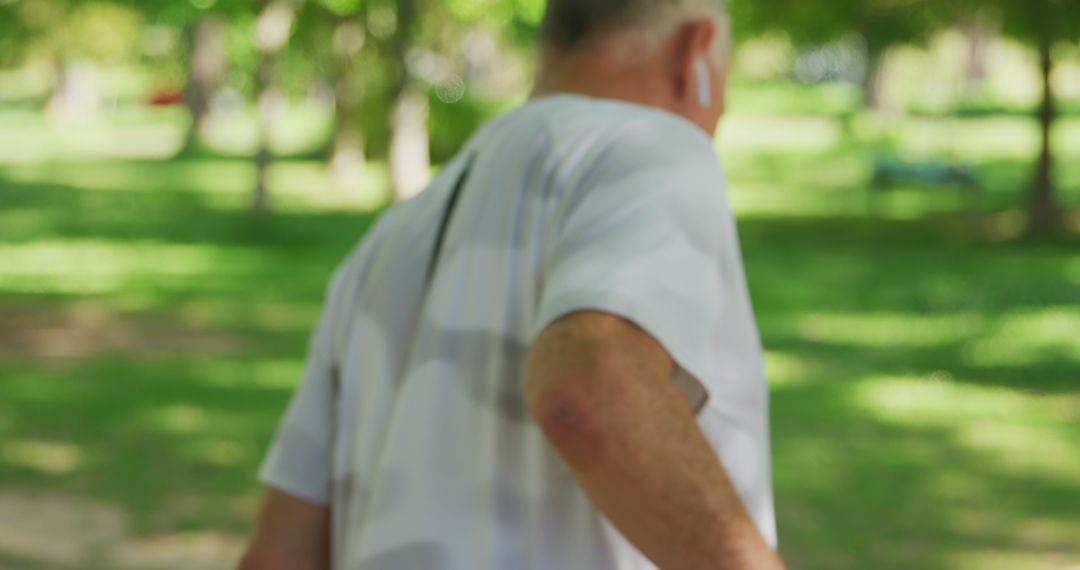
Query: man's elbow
x,y
256,560
266,559
573,420
579,386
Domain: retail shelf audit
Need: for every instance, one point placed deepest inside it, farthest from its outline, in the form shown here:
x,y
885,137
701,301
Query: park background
x,y
179,179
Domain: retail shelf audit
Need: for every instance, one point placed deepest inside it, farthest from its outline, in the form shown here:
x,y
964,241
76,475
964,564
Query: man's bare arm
x,y
290,534
601,390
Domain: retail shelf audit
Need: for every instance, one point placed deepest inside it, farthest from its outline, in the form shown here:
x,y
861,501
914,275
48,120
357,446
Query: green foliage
x,y
880,23
183,13
102,31
105,32
1030,20
473,10
243,57
883,23
525,11
342,7
530,11
14,34
453,123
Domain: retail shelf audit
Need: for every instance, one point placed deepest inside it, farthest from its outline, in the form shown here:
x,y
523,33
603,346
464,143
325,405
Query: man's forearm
x,y
290,534
632,444
649,479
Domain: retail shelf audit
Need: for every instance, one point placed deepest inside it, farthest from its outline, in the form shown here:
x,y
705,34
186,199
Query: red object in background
x,y
166,98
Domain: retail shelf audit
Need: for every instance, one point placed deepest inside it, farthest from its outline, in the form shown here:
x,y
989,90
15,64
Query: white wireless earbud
x,y
703,85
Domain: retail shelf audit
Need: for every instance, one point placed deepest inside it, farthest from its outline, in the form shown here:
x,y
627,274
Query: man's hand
x,y
601,390
290,534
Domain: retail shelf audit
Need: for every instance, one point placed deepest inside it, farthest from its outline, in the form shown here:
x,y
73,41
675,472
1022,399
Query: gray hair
x,y
570,23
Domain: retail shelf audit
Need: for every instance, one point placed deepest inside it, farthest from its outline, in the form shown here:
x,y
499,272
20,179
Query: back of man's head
x,y
568,24
668,54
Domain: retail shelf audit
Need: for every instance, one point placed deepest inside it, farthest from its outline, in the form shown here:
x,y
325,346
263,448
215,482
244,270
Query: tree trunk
x,y
265,112
1043,208
347,160
207,62
410,158
76,94
874,86
979,36
272,30
870,89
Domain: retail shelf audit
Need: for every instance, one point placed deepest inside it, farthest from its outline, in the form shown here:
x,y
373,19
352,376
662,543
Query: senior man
x,y
548,360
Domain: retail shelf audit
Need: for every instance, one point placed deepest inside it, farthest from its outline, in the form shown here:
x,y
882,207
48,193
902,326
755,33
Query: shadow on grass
x,y
843,304
177,202
170,436
160,249
847,305
857,491
173,440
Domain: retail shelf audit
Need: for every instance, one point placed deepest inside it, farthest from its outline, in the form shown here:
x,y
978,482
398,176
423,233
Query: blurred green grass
x,y
924,380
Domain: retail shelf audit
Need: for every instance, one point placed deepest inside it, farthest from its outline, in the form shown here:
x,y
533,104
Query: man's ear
x,y
693,43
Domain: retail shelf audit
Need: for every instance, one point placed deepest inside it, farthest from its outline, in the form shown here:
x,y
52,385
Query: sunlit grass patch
x,y
967,140
755,199
1029,338
143,432
309,187
299,128
1020,432
41,530
982,139
180,418
1022,449
136,133
218,182
891,330
295,186
48,457
217,451
57,530
788,98
154,134
266,373
94,267
745,134
786,369
1062,557
938,399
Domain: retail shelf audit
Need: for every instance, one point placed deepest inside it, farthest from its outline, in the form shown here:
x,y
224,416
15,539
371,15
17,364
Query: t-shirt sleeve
x,y
643,241
299,460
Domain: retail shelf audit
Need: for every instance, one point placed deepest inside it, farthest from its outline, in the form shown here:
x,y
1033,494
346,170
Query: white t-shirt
x,y
410,420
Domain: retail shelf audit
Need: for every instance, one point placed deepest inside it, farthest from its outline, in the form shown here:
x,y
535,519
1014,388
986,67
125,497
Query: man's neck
x,y
598,74
601,71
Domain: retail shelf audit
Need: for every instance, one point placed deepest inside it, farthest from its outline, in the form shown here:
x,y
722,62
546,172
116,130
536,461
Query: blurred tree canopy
x,y
407,80
1043,24
880,24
